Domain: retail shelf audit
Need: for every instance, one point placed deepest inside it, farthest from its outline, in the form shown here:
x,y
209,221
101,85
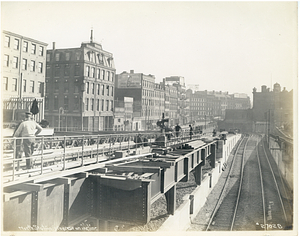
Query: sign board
x,y
129,81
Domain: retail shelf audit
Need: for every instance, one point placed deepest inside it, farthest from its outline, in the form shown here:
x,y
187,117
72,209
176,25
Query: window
x,y
48,57
102,105
76,88
87,104
41,51
6,60
98,104
103,74
46,103
56,85
24,85
25,46
40,87
32,66
93,88
67,56
67,70
92,104
107,105
98,74
112,77
15,62
107,88
93,72
5,83
112,91
77,68
7,41
40,69
76,103
87,87
57,57
33,48
66,103
31,86
56,71
16,45
112,105
24,64
108,75
102,88
55,103
88,71
66,87
14,84
98,89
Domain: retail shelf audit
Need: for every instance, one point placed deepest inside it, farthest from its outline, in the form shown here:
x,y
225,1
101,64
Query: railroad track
x,y
259,200
224,218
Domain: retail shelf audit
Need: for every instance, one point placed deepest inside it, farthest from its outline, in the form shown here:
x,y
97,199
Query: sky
x,y
222,46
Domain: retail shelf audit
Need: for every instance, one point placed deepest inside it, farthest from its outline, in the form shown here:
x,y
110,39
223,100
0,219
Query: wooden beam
x,y
25,187
81,175
8,196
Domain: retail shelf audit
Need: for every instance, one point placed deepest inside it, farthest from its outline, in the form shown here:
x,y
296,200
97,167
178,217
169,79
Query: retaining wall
x,y
193,202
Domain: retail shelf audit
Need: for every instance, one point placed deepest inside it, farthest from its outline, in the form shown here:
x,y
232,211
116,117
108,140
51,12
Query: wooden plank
x,y
26,187
146,175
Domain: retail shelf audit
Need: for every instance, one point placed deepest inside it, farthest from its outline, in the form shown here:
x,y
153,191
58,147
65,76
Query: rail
x,y
65,152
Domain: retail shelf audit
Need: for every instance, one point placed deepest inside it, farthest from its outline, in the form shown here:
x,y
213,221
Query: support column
x,y
171,200
186,170
66,205
213,156
203,156
34,209
198,174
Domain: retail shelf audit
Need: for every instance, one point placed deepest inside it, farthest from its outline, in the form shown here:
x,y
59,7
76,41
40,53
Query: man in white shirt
x,y
28,129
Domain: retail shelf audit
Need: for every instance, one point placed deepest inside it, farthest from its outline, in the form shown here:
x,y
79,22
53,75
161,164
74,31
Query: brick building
x,y
23,75
147,97
80,87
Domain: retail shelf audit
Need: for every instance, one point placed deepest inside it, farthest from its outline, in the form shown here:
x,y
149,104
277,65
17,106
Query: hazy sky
x,y
222,46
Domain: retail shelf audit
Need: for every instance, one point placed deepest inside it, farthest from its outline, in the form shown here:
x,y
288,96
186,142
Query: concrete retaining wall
x,y
193,202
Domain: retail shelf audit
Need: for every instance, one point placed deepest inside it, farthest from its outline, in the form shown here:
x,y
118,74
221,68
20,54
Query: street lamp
x,y
60,111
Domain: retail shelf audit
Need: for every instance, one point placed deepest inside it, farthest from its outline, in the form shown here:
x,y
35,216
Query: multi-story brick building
x,y
274,107
212,104
23,75
147,98
80,87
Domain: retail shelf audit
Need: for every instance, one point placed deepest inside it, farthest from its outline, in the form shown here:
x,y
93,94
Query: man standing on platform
x,y
177,129
28,129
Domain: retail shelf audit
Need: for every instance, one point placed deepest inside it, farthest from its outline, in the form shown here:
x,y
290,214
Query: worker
x,y
191,131
177,129
28,129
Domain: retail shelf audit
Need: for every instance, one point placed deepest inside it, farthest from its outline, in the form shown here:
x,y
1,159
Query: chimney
x,y
53,45
131,71
91,39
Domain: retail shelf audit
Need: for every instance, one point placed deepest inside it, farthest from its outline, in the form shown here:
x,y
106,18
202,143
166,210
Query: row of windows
x,y
92,72
92,57
15,64
99,89
16,46
13,87
90,104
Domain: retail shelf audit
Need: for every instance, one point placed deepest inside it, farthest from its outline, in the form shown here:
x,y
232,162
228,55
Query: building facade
x,y
23,75
147,98
213,104
80,88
